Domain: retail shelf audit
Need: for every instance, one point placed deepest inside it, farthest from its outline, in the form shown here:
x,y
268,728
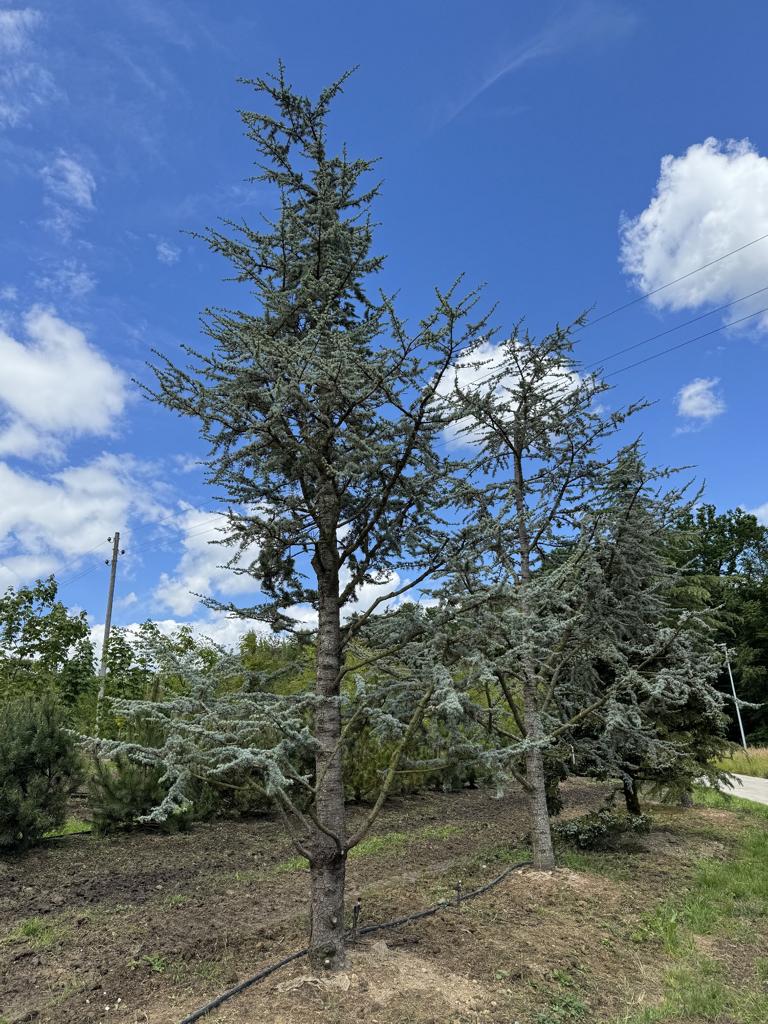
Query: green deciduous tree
x,y
42,645
728,561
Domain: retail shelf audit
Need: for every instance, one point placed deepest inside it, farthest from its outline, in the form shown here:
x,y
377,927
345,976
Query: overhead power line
x,y
662,334
677,327
688,341
78,576
73,561
677,280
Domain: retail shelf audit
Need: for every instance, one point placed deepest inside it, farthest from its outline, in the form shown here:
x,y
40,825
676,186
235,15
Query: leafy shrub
x,y
431,762
39,767
600,829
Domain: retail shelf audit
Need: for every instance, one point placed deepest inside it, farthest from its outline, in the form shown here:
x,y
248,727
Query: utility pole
x,y
735,698
107,623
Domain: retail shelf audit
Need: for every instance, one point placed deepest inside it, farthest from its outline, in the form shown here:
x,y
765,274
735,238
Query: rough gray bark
x,y
543,854
328,860
327,877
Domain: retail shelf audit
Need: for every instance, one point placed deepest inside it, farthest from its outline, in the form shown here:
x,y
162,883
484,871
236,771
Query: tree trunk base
x,y
541,834
327,949
631,798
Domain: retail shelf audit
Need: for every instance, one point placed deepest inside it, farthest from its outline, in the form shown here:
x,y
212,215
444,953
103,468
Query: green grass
x,y
727,899
71,827
158,963
565,1004
176,899
721,800
499,856
375,845
752,761
609,865
40,934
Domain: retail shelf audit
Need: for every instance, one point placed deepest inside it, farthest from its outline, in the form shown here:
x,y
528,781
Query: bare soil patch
x,y
145,928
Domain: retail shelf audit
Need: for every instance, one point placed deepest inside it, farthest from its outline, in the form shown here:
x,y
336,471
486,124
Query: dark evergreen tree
x,y
39,768
655,655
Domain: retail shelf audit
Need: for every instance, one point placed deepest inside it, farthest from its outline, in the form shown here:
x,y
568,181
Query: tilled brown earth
x,y
144,928
148,924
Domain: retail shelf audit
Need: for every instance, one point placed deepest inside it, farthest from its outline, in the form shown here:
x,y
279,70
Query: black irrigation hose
x,y
214,1003
396,923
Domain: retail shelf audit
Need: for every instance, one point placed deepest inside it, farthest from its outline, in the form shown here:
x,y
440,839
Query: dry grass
x,y
752,761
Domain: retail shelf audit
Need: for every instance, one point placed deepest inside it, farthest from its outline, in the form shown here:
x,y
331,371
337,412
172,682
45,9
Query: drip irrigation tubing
x,y
353,934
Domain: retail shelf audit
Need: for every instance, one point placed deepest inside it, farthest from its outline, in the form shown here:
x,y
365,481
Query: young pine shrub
x,y
122,791
39,768
601,829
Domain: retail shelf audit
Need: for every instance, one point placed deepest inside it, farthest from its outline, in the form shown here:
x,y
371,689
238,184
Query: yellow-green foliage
x,y
752,761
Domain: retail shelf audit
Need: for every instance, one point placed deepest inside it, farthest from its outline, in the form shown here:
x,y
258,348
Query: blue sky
x,y
567,155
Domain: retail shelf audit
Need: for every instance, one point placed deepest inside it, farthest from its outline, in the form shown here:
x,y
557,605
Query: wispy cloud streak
x,y
587,23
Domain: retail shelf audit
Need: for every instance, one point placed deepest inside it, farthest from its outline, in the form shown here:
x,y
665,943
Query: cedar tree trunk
x,y
541,833
328,863
630,795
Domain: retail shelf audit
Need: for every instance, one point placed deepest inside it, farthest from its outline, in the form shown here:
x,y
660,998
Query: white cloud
x,y
66,178
70,187
188,463
16,27
16,570
709,201
167,253
305,617
761,512
199,570
471,373
9,293
699,401
485,360
225,630
45,522
54,386
70,277
20,440
24,82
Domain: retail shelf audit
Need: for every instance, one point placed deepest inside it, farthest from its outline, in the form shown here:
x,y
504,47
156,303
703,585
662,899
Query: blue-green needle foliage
x,y
322,412
319,407
654,662
579,650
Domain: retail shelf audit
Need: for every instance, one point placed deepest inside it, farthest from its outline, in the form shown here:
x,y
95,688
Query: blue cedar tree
x,y
321,411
